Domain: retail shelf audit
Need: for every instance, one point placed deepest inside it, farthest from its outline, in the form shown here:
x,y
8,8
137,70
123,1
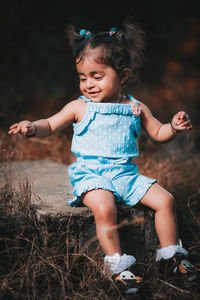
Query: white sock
x,y
117,263
169,251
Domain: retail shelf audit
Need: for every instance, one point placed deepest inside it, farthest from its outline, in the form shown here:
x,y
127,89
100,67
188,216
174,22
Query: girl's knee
x,y
168,201
101,203
105,212
157,198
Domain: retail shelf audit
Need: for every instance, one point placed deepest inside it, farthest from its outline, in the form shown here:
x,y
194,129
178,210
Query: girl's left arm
x,y
164,132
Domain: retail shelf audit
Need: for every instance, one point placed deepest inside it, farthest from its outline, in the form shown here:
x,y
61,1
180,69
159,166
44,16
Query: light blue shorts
x,y
119,176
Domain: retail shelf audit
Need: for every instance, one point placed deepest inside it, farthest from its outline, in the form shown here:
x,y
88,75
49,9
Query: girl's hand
x,y
26,128
181,121
136,109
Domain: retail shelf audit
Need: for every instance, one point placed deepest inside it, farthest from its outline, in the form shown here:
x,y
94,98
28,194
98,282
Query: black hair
x,y
123,48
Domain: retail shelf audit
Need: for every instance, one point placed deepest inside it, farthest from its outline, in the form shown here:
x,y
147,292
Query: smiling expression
x,y
98,82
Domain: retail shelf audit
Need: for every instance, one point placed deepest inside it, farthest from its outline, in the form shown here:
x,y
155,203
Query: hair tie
x,y
112,31
85,33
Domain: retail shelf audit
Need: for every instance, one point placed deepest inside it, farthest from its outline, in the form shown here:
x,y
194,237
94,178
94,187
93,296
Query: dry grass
x,y
56,147
39,260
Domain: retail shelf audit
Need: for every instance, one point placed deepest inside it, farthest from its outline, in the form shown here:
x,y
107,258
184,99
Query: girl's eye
x,y
98,77
82,79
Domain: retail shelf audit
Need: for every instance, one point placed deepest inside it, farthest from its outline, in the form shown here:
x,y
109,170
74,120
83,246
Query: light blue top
x,y
107,130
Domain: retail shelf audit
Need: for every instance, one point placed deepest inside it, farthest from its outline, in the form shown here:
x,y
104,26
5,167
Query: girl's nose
x,y
89,84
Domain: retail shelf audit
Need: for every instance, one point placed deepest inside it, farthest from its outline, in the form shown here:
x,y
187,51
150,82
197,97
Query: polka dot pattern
x,y
108,130
105,142
120,176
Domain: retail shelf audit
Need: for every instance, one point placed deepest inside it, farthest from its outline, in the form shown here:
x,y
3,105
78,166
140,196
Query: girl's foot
x,y
121,269
127,282
179,272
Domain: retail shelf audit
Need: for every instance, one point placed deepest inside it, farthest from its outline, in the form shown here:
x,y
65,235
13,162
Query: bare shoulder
x,y
71,112
76,107
75,104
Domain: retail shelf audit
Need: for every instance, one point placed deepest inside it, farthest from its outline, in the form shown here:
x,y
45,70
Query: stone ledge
x,y
51,189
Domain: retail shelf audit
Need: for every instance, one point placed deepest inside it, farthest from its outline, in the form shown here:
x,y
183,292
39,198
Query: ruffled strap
x,y
105,108
88,118
117,108
137,119
110,108
129,97
84,98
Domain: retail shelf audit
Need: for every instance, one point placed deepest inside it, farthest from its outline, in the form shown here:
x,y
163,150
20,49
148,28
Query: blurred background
x,y
37,73
37,78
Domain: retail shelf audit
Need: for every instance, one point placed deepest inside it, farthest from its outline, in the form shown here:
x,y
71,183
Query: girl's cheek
x,y
81,86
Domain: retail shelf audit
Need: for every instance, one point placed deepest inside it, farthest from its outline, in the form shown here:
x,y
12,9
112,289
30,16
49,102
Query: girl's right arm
x,y
45,127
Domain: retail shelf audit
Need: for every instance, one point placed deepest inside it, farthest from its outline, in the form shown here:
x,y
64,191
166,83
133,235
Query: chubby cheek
x,y
105,85
82,87
110,88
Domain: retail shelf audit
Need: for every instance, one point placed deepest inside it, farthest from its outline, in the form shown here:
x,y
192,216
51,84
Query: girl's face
x,y
98,82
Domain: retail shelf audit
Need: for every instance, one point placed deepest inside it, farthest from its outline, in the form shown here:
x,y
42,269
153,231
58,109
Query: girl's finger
x,y
17,130
189,127
185,126
24,130
136,110
185,118
181,115
10,131
13,126
187,123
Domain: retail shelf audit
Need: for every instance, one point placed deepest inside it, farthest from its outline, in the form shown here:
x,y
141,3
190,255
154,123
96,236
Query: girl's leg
x,y
102,204
172,257
162,202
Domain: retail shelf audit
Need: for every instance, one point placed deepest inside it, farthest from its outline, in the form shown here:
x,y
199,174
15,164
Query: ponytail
x,y
121,46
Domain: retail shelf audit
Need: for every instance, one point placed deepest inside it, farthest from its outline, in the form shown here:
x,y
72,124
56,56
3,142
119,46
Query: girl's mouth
x,y
93,94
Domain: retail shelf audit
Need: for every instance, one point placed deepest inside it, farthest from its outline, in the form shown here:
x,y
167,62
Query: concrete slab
x,y
51,187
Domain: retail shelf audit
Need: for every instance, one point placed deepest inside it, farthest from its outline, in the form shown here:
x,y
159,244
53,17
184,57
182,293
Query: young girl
x,y
106,126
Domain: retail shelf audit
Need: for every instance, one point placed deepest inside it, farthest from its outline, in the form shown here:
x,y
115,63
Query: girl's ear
x,y
124,75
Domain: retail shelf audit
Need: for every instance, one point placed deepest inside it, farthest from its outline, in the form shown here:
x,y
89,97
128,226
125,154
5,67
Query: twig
x,y
102,272
175,287
188,205
108,230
